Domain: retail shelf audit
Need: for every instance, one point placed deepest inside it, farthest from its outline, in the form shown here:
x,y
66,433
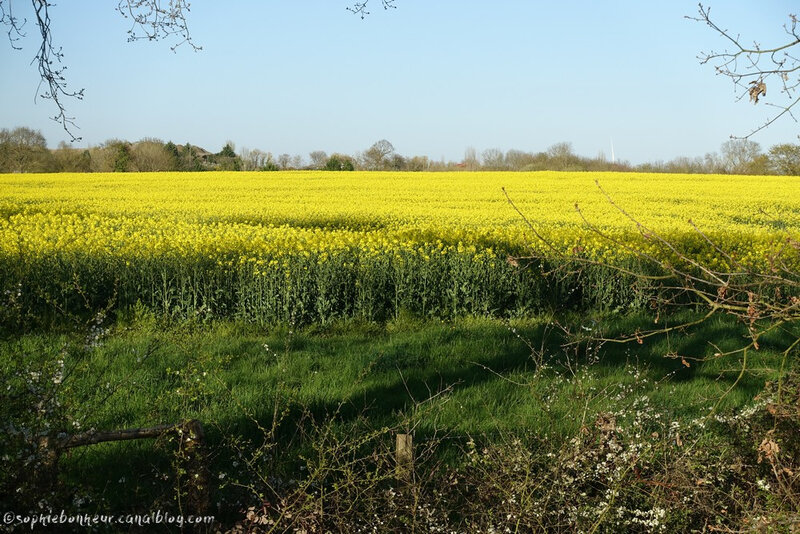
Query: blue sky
x,y
432,77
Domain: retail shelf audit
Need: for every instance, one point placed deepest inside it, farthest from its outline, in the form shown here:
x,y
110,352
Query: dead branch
x,y
94,437
191,454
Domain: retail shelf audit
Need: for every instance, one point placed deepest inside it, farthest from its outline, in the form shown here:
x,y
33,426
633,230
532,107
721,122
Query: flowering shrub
x,y
633,470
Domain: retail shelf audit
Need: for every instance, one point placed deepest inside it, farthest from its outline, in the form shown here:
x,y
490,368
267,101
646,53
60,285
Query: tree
x,y
493,159
739,155
339,162
418,163
785,159
151,155
174,156
256,160
24,150
227,160
712,163
284,160
118,155
190,160
471,162
518,160
562,157
397,163
755,69
150,20
318,159
227,151
68,159
377,156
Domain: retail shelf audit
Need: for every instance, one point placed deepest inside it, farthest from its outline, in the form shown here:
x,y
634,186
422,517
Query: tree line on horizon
x,y
25,150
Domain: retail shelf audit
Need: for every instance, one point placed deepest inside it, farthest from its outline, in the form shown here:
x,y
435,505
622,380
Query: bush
x,y
338,162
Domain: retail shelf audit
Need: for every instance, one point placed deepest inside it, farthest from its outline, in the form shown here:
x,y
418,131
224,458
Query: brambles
x,y
635,469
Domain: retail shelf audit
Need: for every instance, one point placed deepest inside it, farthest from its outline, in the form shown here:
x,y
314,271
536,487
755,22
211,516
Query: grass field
x,y
307,317
282,404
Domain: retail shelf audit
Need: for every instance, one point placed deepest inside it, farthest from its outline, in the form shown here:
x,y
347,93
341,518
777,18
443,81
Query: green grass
x,y
479,375
354,368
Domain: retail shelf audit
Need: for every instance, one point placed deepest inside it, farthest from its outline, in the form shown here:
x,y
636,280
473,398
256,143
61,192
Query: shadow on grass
x,y
407,367
374,375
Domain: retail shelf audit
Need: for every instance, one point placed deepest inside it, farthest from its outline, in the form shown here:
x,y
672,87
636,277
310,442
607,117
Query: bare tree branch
x,y
7,18
764,298
157,21
753,69
52,71
360,8
152,20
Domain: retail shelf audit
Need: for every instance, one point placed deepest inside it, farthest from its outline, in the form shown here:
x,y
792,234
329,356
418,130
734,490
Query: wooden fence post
x,y
404,456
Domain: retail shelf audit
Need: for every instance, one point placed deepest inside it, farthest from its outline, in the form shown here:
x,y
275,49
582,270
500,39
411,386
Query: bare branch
x,y
764,297
753,68
14,25
51,70
151,19
157,21
787,110
360,8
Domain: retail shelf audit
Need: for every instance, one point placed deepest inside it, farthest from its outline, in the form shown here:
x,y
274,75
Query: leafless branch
x,y
14,25
151,19
155,20
753,68
360,8
51,70
764,299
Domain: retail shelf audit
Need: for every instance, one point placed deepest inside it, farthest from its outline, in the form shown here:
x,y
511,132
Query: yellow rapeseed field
x,y
256,214
262,223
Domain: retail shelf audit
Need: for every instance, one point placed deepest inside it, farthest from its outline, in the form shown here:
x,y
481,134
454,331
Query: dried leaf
x,y
721,291
768,449
759,88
